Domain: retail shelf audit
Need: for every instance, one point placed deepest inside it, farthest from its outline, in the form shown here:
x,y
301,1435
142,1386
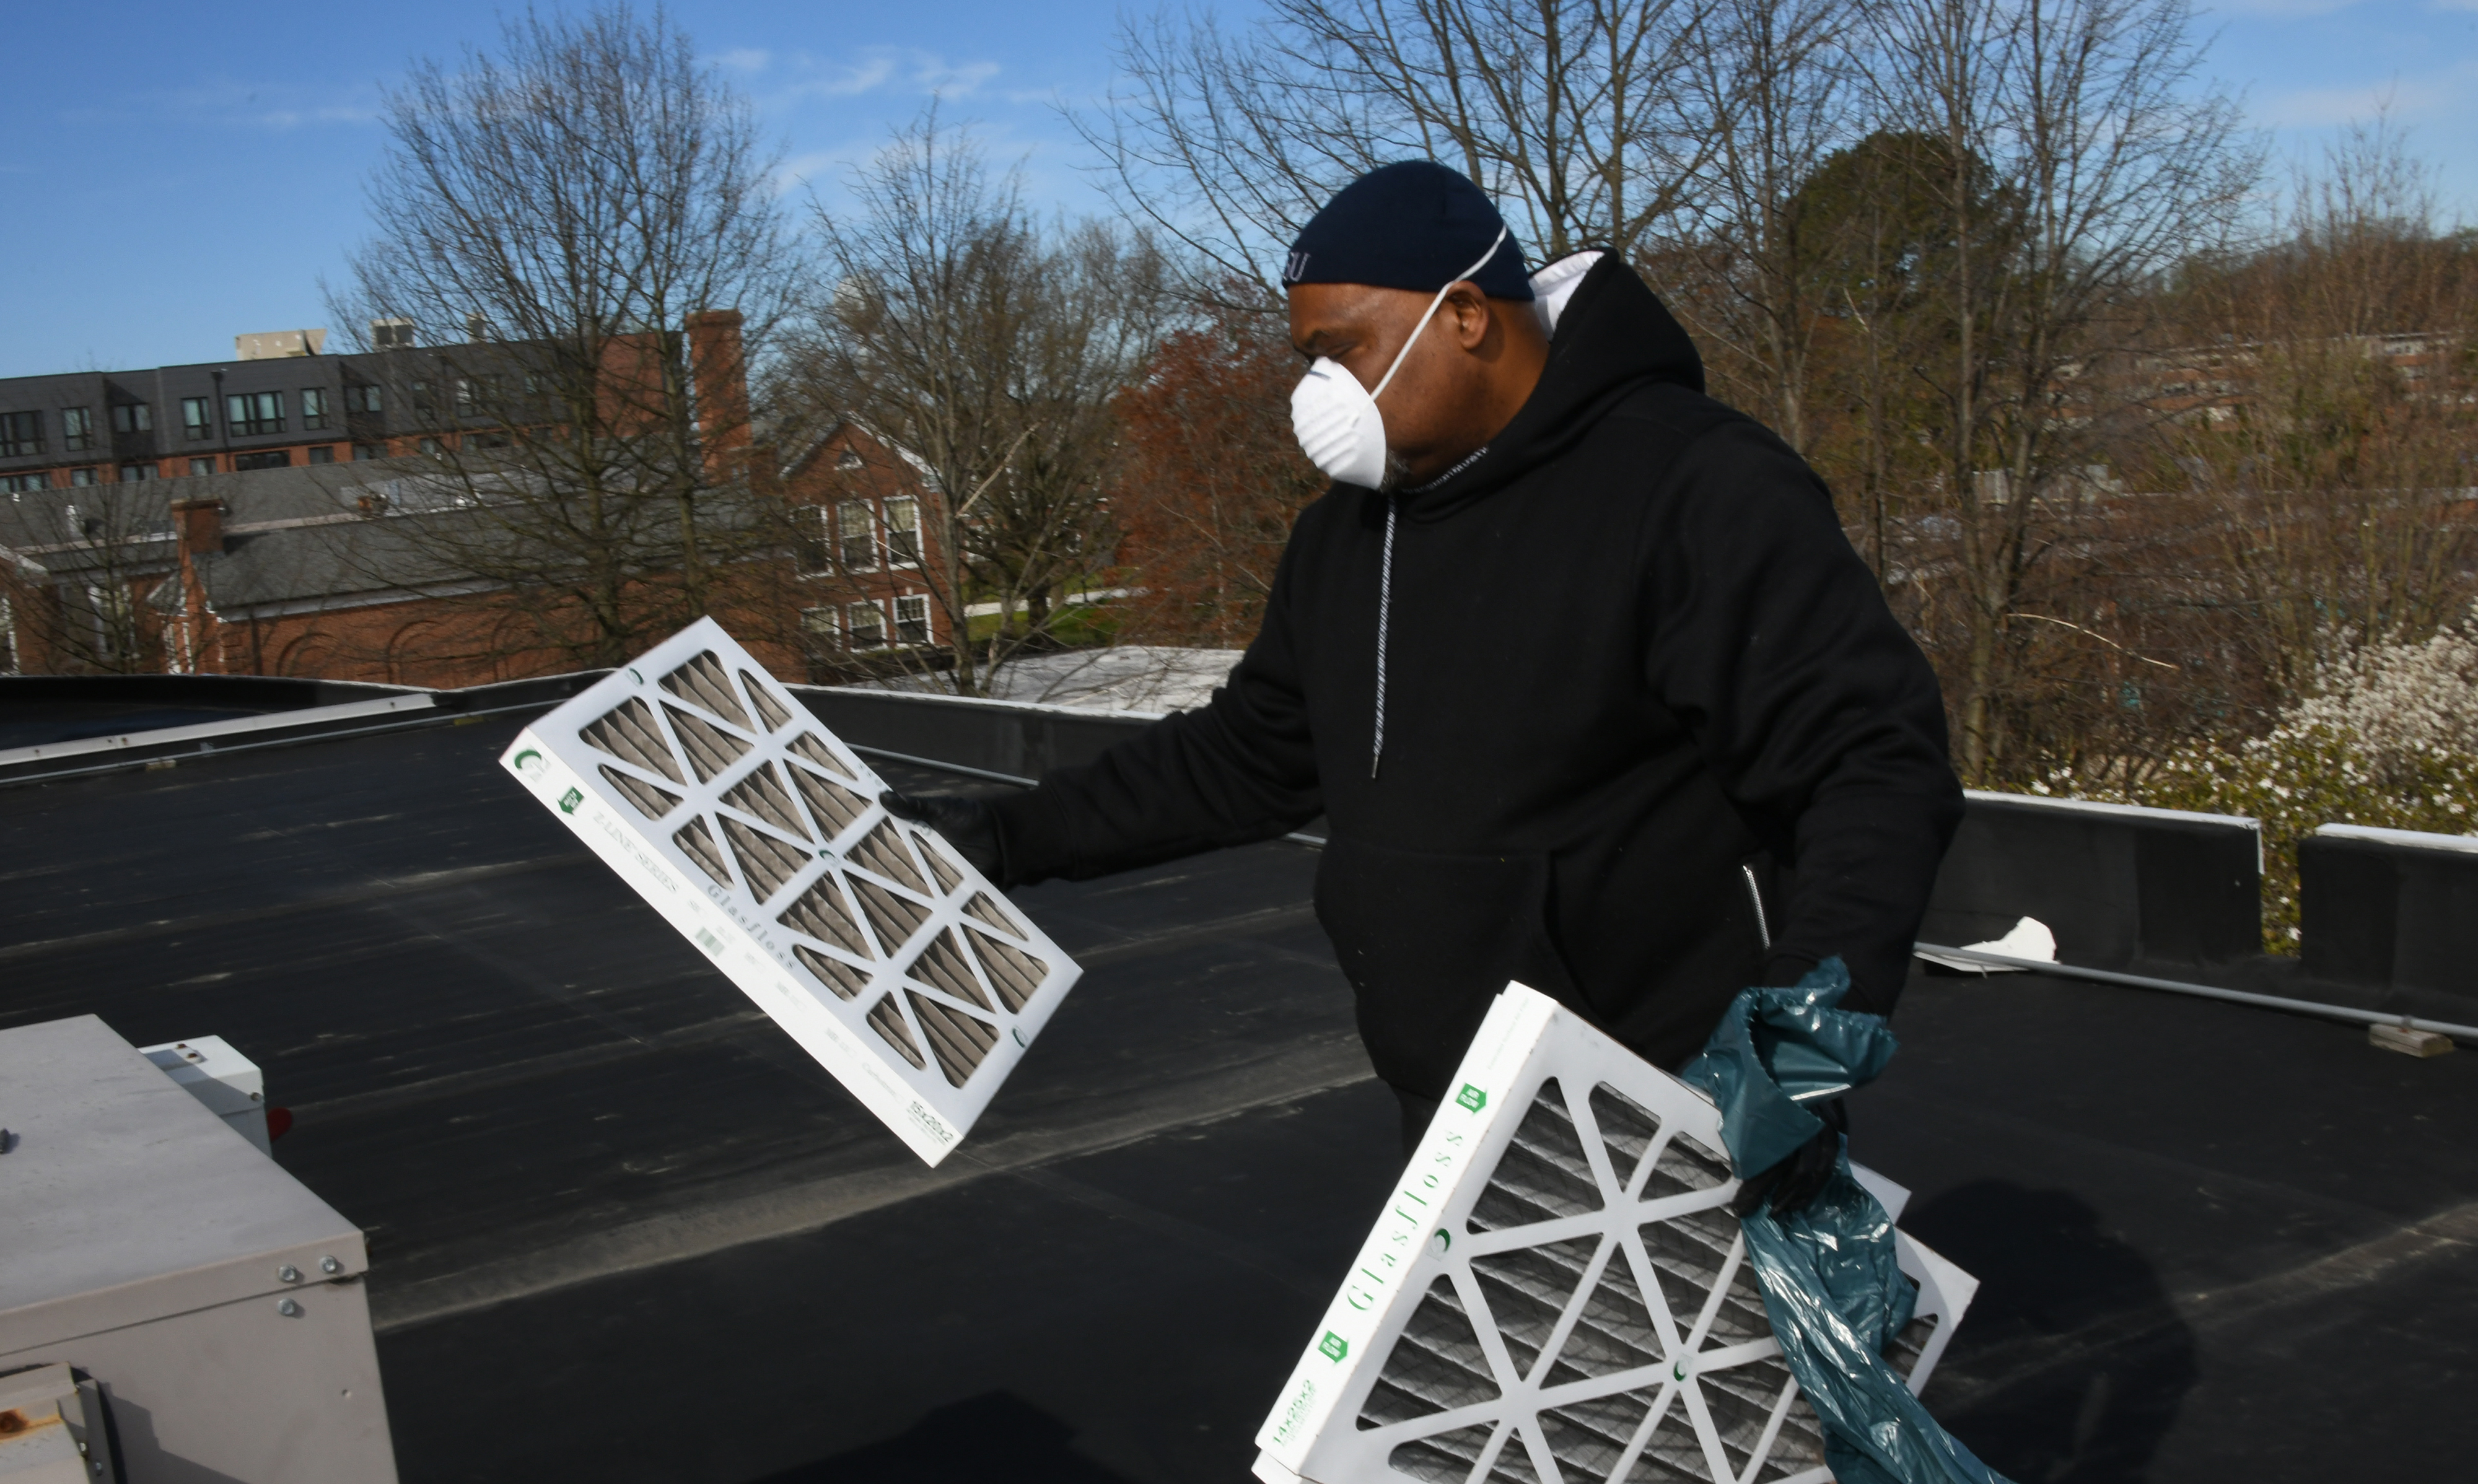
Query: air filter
x,y
1557,1292
759,836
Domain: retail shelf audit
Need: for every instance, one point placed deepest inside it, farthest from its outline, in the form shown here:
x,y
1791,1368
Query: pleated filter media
x,y
1559,1294
758,835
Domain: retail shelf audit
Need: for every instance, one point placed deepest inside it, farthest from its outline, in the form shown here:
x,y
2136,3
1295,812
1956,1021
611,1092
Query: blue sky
x,y
182,173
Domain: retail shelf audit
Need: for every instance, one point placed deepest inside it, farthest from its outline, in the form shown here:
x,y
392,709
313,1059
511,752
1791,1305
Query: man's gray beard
x,y
1397,469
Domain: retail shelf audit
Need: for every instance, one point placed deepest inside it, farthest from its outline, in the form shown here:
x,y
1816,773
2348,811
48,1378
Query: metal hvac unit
x,y
758,836
1557,1292
213,1307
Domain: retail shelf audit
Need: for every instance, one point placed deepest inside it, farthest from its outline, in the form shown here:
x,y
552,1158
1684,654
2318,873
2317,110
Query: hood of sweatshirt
x,y
1614,335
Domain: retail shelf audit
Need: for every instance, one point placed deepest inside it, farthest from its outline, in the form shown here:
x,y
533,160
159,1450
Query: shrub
x,y
2390,738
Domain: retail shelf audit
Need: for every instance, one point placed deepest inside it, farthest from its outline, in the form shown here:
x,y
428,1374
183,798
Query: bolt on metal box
x,y
215,1301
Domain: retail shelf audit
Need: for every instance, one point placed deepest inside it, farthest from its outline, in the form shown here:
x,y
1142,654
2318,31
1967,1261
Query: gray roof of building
x,y
2214,1243
333,535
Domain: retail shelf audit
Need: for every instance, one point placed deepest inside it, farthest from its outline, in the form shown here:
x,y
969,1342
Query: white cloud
x,y
847,80
937,75
2403,102
875,69
745,59
2282,9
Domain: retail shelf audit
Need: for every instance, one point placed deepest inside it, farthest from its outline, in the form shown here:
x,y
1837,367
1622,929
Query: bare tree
x,y
1576,113
2325,403
1213,479
989,348
1776,80
2084,127
583,223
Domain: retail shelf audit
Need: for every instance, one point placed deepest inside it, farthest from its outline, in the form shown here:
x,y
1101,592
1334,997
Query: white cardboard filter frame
x,y
1559,1294
759,836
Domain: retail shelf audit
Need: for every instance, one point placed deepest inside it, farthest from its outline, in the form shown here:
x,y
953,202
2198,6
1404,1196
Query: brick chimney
x,y
201,524
721,379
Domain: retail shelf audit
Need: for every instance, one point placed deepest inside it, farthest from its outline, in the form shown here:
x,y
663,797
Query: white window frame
x,y
914,603
823,517
845,537
852,632
823,624
911,508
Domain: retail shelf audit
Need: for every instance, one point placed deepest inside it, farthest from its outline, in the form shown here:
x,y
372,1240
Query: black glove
x,y
1801,1177
967,823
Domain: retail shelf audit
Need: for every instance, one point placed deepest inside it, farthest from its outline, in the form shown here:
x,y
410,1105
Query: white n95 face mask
x,y
1337,420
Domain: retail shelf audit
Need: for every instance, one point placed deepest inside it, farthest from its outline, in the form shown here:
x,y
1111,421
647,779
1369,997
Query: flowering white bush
x,y
2403,701
2390,738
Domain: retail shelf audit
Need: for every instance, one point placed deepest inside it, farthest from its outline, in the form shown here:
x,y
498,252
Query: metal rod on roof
x,y
2207,992
1295,838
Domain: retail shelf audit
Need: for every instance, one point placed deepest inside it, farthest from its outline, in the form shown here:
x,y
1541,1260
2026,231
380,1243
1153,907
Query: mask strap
x,y
1405,351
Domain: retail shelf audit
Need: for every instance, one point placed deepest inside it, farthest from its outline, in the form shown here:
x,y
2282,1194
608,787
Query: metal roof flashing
x,y
2406,840
124,1199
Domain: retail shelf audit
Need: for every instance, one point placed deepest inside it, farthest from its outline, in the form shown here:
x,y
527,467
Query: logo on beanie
x,y
1295,268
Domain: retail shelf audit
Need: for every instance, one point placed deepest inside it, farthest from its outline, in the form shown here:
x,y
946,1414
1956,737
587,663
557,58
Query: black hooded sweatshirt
x,y
1634,669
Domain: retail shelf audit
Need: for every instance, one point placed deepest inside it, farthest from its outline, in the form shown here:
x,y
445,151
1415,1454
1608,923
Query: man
x,y
1575,660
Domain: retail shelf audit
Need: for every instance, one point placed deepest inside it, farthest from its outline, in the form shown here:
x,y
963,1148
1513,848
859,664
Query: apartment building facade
x,y
283,404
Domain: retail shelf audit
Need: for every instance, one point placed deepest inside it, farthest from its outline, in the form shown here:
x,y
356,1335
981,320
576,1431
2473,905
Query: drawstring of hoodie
x,y
1385,596
1384,613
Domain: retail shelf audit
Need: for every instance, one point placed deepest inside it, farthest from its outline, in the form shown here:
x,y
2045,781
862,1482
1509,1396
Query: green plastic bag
x,y
1832,1287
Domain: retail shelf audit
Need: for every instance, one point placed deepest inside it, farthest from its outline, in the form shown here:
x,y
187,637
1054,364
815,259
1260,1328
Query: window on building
x,y
423,404
20,434
818,623
322,454
135,472
812,547
865,624
903,532
21,484
114,615
314,407
132,418
468,397
253,414
364,398
89,475
270,459
197,418
430,446
205,466
850,460
362,453
859,527
911,620
77,427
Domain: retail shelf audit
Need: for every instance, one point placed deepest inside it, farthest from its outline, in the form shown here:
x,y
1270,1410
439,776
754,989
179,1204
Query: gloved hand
x,y
1801,1177
965,823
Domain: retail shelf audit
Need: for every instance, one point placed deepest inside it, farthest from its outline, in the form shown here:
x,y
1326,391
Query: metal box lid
x,y
124,1198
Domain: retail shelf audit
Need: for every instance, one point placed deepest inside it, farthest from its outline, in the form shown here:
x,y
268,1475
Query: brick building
x,y
263,517
861,511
